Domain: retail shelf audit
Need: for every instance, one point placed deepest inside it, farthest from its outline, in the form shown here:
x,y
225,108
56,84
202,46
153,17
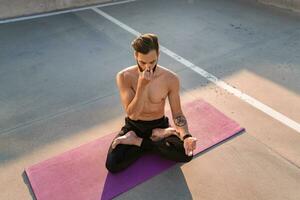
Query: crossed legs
x,y
123,155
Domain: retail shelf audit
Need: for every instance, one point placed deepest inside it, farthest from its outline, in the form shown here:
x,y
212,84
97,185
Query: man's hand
x,y
189,145
146,76
160,133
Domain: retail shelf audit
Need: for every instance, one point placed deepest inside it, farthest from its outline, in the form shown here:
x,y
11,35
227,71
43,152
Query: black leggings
x,y
123,155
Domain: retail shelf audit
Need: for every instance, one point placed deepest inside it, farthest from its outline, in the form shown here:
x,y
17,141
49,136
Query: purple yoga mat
x,y
81,174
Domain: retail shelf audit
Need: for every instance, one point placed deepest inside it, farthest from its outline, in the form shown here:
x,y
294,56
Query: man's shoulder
x,y
126,71
170,78
169,73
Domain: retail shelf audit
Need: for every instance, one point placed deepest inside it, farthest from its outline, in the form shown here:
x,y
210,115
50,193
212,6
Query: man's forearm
x,y
137,104
181,125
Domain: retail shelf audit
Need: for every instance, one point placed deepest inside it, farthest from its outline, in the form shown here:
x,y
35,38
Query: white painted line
x,y
250,100
62,12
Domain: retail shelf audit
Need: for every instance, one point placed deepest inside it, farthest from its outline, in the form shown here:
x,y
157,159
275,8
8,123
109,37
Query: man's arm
x,y
177,114
132,102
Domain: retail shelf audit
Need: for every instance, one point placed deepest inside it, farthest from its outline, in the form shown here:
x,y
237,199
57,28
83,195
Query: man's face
x,y
146,61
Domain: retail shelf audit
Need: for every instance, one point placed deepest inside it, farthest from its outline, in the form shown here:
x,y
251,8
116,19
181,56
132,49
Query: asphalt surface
x,y
58,91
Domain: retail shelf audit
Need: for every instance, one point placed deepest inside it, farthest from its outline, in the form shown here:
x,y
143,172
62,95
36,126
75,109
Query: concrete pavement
x,y
58,92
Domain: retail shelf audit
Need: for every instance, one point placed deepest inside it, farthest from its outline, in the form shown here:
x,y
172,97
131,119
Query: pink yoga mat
x,y
81,174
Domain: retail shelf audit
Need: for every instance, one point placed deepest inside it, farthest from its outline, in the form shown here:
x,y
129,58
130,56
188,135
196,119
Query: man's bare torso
x,y
157,91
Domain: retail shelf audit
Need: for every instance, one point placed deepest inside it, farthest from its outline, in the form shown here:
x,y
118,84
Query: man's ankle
x,y
139,141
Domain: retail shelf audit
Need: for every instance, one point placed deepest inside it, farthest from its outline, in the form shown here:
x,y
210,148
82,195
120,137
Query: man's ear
x,y
136,55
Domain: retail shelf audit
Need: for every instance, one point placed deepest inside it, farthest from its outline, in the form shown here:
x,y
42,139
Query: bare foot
x,y
160,133
129,138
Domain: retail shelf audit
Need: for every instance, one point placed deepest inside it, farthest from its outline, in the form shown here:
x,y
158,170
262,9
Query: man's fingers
x,y
189,151
148,70
189,147
145,74
184,147
186,151
194,145
148,75
151,73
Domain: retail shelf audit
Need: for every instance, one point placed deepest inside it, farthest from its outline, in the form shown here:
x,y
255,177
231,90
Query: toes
x,y
116,142
113,144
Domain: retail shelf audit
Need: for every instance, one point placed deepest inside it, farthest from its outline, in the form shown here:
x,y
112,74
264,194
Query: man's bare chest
x,y
156,90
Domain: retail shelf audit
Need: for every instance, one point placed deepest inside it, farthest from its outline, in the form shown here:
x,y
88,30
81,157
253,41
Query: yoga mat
x,y
81,174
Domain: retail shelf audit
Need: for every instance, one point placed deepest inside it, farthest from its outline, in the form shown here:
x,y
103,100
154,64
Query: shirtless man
x,y
143,90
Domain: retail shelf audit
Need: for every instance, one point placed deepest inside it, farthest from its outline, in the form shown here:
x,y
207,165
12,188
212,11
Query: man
x,y
143,90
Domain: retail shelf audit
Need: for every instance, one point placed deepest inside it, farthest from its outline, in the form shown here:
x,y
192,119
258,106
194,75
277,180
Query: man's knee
x,y
187,158
111,165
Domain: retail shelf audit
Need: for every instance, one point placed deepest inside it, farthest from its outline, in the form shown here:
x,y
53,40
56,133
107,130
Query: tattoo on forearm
x,y
180,121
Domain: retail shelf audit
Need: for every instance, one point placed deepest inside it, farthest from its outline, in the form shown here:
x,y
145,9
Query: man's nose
x,y
148,66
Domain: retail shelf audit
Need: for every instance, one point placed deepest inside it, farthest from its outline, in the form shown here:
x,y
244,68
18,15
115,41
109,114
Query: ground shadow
x,y
27,183
146,168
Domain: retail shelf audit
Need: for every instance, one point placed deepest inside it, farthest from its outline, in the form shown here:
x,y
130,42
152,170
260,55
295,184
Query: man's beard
x,y
141,70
